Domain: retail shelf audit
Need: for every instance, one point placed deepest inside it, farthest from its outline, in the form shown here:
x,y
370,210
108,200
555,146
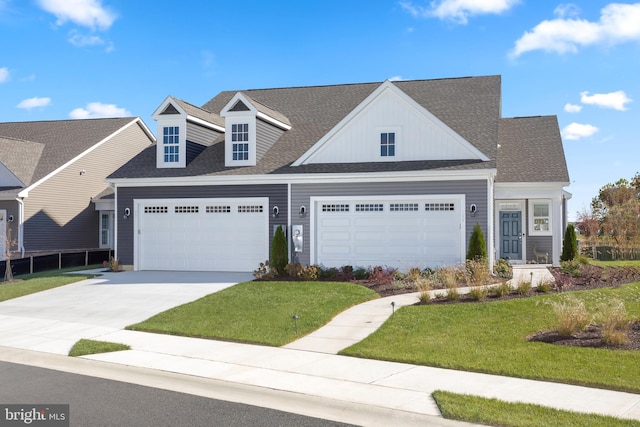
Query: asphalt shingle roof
x,y
32,150
200,113
531,150
470,106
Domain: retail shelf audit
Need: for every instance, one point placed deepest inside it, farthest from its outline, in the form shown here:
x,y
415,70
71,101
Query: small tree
x,y
477,244
8,244
570,244
279,257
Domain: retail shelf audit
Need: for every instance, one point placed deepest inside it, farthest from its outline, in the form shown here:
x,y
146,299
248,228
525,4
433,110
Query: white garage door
x,y
420,232
201,234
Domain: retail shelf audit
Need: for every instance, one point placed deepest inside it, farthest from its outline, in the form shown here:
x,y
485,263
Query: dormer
x,y
250,130
184,130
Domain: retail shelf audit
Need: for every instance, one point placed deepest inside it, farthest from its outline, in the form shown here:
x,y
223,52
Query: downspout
x,y
20,225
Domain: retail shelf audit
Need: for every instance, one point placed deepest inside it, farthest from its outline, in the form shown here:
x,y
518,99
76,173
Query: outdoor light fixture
x,y
276,211
127,213
473,208
303,211
82,171
10,218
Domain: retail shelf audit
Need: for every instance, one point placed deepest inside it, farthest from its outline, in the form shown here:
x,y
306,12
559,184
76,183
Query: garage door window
x,y
439,206
186,209
369,207
335,208
250,209
156,209
403,207
218,209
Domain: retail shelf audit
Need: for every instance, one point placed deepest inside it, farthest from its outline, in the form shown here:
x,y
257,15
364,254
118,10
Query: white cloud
x,y
572,108
566,9
4,74
396,79
616,100
87,13
34,102
96,110
618,23
459,11
575,131
81,40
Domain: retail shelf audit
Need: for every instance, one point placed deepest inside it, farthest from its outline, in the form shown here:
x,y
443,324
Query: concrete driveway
x,y
52,321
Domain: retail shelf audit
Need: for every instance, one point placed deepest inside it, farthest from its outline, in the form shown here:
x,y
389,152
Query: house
x,y
396,173
50,171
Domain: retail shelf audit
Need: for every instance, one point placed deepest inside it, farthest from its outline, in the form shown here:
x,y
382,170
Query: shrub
x,y
612,314
263,271
544,287
570,244
523,288
309,273
414,274
503,269
501,290
452,292
571,315
360,273
447,277
279,257
424,285
381,276
572,268
478,293
346,271
477,244
477,272
327,273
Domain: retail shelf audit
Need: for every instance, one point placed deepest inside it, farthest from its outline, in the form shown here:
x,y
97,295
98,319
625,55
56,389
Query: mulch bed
x,y
592,337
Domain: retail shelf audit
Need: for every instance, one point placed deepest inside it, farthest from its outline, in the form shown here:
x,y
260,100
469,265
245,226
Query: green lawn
x,y
32,283
259,312
632,263
499,413
491,337
84,347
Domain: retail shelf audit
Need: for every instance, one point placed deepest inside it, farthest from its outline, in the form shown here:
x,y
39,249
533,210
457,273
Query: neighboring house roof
x,y
61,141
20,157
531,151
470,106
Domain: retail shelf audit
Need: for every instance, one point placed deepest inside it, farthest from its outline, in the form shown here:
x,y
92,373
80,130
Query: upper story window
x,y
240,151
171,143
240,133
388,144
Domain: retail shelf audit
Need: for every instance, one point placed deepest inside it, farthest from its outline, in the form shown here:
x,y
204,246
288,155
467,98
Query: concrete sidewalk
x,y
343,388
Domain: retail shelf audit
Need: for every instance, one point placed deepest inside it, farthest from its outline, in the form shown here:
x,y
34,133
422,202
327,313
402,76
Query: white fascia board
x,y
367,101
529,190
238,97
105,205
205,123
25,192
273,121
306,178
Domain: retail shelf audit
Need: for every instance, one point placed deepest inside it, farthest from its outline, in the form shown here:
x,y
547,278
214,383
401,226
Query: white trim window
x,y
387,144
540,217
171,143
240,138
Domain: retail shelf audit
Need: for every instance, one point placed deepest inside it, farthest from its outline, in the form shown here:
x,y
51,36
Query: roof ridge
x,y
71,120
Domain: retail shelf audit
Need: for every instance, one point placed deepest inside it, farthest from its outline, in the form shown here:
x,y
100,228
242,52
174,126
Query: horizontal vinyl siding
x,y
266,136
543,244
200,134
59,213
475,191
277,195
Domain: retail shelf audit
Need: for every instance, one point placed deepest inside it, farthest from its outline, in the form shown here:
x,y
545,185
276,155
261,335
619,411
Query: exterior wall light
x,y
303,211
276,211
473,208
127,213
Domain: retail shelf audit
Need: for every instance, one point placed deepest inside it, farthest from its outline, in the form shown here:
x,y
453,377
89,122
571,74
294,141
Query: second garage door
x,y
201,234
416,232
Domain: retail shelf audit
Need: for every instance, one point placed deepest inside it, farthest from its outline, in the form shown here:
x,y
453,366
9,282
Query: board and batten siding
x,y
266,136
475,192
200,134
59,213
277,194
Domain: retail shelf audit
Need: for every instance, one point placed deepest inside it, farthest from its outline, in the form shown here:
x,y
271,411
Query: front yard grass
x,y
491,337
500,413
84,347
620,263
259,312
32,283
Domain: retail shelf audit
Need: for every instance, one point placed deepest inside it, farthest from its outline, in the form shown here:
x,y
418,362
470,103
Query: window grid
x,y
388,144
186,209
250,209
335,208
218,209
541,217
240,132
439,206
369,207
156,209
240,151
403,207
171,141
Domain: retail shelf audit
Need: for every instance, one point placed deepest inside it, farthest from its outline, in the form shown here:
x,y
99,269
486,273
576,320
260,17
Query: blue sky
x,y
63,59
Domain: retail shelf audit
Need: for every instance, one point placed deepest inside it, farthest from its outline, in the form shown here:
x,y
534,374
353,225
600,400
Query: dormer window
x,y
171,143
388,144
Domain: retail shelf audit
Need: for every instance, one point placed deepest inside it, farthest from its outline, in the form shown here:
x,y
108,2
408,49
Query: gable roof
x,y
470,106
200,113
32,150
530,150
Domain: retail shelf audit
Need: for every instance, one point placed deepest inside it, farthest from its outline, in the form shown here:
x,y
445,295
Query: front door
x,y
511,235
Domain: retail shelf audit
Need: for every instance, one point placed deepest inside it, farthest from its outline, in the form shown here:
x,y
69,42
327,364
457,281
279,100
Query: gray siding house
x,y
392,173
52,171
